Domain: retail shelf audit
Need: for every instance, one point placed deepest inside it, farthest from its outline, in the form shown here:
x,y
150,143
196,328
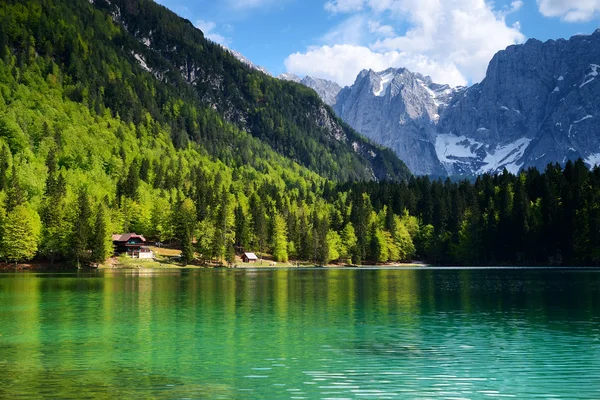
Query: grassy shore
x,y
170,258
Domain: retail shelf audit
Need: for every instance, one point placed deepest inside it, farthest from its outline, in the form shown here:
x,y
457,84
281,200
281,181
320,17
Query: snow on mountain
x,y
289,77
246,61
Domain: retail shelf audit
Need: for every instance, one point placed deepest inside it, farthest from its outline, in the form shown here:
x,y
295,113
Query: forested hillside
x,y
91,144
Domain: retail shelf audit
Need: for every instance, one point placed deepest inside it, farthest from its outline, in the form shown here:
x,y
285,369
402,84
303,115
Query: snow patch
x,y
452,149
583,119
505,156
384,83
556,90
561,78
591,75
592,160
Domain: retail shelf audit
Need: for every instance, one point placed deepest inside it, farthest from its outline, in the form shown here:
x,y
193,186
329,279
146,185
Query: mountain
x,y
289,77
247,62
290,119
327,90
537,104
399,109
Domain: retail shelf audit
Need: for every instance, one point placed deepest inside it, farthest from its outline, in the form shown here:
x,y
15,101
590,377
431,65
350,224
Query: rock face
x,y
247,62
537,104
398,109
327,90
289,77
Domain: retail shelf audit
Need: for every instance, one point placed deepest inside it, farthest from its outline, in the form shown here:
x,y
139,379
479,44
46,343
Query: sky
x,y
450,40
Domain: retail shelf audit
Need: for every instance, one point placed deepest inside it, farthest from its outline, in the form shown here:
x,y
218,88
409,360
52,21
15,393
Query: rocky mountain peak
x,y
286,76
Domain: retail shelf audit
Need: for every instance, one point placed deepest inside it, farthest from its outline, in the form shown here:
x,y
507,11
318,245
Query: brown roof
x,y
125,237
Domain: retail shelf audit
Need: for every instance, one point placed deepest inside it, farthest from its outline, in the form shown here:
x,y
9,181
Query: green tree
x,y
20,234
82,229
101,243
15,194
5,162
334,246
349,241
279,238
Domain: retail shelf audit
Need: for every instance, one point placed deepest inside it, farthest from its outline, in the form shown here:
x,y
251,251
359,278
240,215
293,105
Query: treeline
x,y
549,218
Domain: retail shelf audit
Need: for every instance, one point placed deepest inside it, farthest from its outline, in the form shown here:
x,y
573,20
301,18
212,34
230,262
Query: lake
x,y
301,333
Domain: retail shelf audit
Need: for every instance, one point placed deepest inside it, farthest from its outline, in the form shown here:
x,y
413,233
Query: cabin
x,y
249,258
132,244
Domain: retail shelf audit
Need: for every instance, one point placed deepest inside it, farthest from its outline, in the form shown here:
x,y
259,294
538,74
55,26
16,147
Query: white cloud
x,y
452,41
383,30
208,27
342,62
570,10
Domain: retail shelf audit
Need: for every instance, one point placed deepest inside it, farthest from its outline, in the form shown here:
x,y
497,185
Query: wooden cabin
x,y
132,244
249,258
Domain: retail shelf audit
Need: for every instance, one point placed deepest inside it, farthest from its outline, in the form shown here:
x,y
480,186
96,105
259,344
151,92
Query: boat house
x,y
132,244
249,258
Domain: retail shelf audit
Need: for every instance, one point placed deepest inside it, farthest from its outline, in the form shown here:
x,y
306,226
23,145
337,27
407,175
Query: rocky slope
x,y
327,90
537,104
399,109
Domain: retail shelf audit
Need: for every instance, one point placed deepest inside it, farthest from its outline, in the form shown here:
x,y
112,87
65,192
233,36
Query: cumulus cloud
x,y
341,63
208,28
452,41
570,10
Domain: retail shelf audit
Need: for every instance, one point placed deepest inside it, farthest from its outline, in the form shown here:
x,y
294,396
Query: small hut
x,y
249,258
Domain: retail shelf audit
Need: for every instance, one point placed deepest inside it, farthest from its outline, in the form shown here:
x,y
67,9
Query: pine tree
x,y
187,249
5,161
101,247
259,223
132,182
82,230
242,231
279,239
16,194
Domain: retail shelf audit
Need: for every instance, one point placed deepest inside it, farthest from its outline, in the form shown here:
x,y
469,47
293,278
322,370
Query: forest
x,y
92,144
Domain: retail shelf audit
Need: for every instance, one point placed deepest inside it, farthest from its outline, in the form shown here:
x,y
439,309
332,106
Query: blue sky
x,y
451,40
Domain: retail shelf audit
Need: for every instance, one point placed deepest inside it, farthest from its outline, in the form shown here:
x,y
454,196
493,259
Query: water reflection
x,y
301,333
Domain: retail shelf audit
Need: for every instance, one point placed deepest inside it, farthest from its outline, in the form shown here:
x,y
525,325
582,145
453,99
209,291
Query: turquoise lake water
x,y
301,333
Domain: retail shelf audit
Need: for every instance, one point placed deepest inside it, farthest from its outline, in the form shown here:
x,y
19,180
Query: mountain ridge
x,y
535,106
